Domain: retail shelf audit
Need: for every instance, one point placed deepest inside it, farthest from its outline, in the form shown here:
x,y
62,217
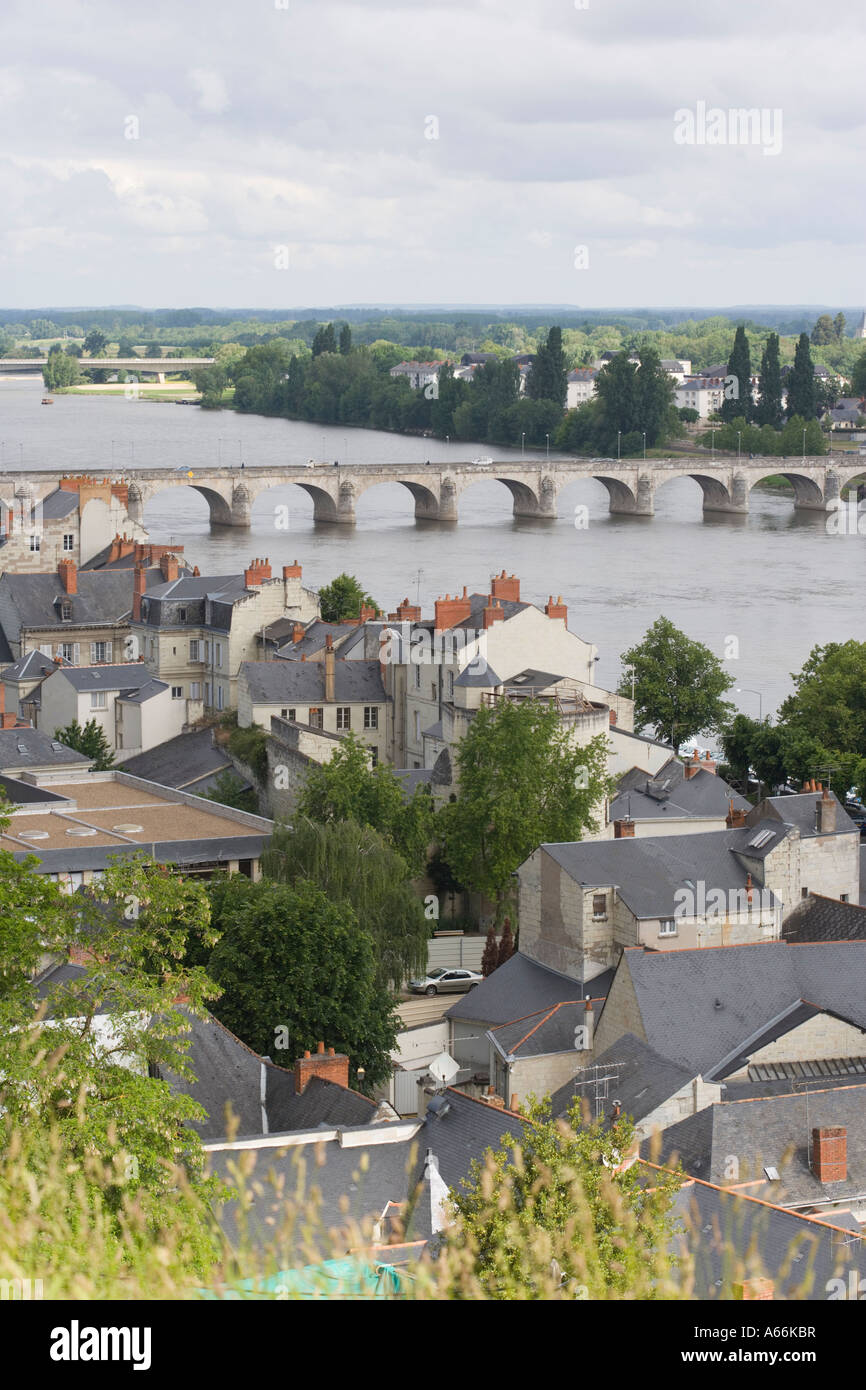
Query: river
x,y
766,587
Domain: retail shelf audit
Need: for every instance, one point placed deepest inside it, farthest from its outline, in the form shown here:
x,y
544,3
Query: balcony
x,y
570,705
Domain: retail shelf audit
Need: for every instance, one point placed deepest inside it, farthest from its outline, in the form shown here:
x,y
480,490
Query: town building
x,y
74,522
134,711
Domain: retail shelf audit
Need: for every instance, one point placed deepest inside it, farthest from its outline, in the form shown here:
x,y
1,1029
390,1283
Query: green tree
x,y
801,382
506,944
94,1089
90,740
758,745
490,957
343,598
839,327
738,405
824,331
95,342
678,684
522,781
291,958
229,790
557,1194
654,398
769,408
354,864
546,380
347,788
823,723
125,347
61,369
858,376
211,382
345,340
325,340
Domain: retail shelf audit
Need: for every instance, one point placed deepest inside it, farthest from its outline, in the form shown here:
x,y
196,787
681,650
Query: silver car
x,y
442,981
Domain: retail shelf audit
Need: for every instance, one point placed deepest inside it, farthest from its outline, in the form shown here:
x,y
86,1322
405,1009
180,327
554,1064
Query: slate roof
x,y
24,793
315,638
775,1132
30,666
464,1132
33,600
58,504
649,871
539,1034
130,675
21,748
188,762
521,987
144,692
701,1008
825,919
801,1256
472,676
669,793
799,810
645,1081
285,682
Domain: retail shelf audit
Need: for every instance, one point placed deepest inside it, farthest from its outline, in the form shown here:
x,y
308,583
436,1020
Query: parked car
x,y
442,981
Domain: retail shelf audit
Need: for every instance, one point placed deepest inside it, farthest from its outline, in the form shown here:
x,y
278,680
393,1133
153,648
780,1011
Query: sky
x,y
276,153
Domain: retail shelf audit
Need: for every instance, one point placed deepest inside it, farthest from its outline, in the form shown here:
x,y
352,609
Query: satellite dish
x,y
444,1068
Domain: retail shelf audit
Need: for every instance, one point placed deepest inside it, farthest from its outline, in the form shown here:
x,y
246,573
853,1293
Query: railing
x,y
567,706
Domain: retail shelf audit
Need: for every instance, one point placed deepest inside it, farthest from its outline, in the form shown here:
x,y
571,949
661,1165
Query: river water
x,y
760,590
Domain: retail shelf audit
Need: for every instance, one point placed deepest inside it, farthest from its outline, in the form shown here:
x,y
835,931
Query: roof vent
x,y
81,830
33,835
439,1105
128,828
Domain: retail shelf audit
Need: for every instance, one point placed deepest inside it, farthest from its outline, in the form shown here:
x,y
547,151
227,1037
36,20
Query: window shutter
x,y
108,651
76,654
92,652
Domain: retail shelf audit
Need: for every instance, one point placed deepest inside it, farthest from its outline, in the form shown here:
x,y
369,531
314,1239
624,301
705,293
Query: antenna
x,y
418,588
598,1079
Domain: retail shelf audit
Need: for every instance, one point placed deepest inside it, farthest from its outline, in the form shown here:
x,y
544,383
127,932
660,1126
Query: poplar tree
x,y
801,382
769,408
738,406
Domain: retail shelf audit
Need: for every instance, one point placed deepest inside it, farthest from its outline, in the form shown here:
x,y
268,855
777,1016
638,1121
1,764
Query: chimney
x,y
493,612
691,767
830,1154
505,586
139,584
170,566
556,610
292,571
612,716
450,611
257,573
7,721
752,1289
68,576
734,820
588,1023
623,830
513,1105
330,1066
406,612
367,614
330,680
298,631
616,1110
708,764
825,813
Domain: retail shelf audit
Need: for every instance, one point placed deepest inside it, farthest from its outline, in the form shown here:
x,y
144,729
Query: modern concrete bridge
x,y
437,487
150,366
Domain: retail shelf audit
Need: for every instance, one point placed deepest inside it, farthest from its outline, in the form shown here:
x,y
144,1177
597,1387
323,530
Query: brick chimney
x,y
330,1066
692,767
68,576
292,571
170,566
7,720
450,611
505,586
139,585
623,830
367,614
588,1023
406,613
708,763
612,716
330,672
298,631
493,612
750,1290
257,573
734,820
825,813
556,610
830,1154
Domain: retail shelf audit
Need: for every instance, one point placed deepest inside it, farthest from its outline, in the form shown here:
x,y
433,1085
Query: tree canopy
x,y
91,740
343,598
678,684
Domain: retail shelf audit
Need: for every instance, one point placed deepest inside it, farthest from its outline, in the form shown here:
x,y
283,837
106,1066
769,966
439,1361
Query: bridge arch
x,y
809,495
527,500
219,507
623,499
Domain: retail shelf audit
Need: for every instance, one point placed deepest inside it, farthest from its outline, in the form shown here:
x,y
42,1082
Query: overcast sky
x,y
282,155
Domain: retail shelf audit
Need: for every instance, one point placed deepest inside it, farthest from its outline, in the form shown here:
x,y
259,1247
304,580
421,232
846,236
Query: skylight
x,y
759,840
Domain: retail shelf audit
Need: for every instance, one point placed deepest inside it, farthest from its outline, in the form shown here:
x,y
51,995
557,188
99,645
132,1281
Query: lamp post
x,y
746,690
618,441
547,437
522,443
804,443
739,437
713,442
644,443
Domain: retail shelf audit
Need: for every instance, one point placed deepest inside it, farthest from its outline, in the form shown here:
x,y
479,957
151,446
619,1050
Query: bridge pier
x,y
135,504
346,504
730,499
809,496
447,500
625,502
240,511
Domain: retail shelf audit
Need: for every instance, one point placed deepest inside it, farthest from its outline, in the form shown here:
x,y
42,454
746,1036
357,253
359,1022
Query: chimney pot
x,y
320,1049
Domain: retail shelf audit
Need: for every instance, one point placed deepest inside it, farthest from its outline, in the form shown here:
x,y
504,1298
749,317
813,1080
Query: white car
x,y
482,462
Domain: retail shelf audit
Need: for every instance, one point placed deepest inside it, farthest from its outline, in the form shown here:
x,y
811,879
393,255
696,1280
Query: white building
x,y
134,711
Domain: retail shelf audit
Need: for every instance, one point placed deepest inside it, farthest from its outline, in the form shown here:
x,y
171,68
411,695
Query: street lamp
x,y
804,443
522,442
713,442
547,437
644,443
746,690
739,437
618,438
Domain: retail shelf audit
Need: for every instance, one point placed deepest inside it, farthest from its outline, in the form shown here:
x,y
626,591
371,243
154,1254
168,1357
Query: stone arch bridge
x,y
436,488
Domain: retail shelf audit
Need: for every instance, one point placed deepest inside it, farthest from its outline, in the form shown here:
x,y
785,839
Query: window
x,y
100,651
98,699
177,692
374,756
195,690
35,543
344,717
804,892
219,697
66,612
316,720
207,650
433,691
193,650
417,726
174,651
599,905
181,615
207,692
70,652
287,714
371,717
843,897
451,685
218,653
68,542
668,926
417,677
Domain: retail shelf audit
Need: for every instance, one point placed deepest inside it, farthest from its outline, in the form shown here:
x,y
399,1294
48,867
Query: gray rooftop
x,y
130,675
521,987
669,793
188,762
34,600
59,504
30,666
825,919
22,748
285,682
800,811
547,1031
644,1081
